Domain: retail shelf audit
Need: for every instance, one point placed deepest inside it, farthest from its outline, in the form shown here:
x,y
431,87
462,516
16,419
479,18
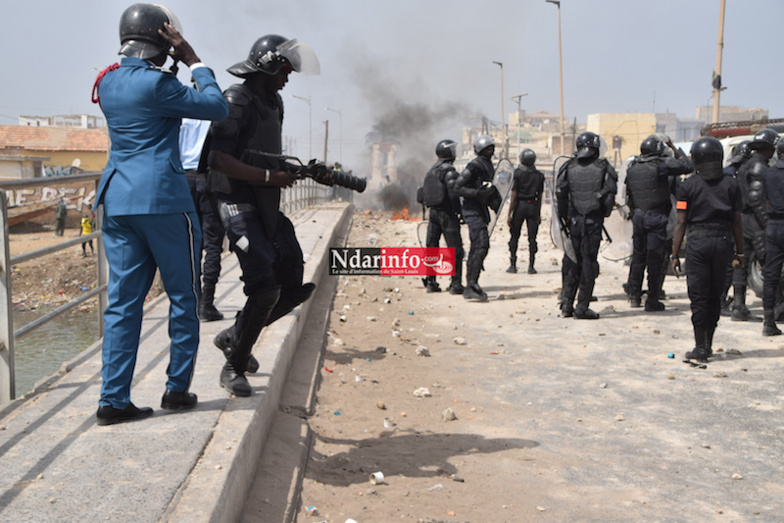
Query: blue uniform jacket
x,y
143,107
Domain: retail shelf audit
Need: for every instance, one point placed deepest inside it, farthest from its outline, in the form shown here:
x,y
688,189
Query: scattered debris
x,y
422,392
459,340
423,351
449,414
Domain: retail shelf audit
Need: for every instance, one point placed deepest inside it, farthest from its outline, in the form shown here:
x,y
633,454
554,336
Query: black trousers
x,y
774,260
527,212
446,224
586,236
649,240
707,255
211,228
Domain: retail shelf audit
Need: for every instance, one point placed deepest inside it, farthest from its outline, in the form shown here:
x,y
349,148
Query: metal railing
x,y
305,193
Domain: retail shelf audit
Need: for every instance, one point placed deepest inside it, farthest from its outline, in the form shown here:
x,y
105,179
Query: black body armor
x,y
646,189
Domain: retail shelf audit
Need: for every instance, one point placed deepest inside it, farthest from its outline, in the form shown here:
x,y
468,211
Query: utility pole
x,y
560,68
503,114
518,99
717,89
326,138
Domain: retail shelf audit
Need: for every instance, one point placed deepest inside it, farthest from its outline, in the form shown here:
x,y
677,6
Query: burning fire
x,y
403,215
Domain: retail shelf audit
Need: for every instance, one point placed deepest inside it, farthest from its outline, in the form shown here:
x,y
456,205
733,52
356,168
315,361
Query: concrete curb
x,y
243,427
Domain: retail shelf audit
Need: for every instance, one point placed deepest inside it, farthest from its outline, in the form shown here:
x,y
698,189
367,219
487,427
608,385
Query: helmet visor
x,y
301,56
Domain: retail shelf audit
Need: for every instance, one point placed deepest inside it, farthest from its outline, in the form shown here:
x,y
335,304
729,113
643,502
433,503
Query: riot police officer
x,y
585,191
709,205
740,153
525,206
249,186
750,178
774,246
649,185
474,186
438,195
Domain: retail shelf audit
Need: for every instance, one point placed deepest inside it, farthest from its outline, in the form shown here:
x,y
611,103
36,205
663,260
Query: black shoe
x,y
585,314
208,312
654,306
433,287
531,270
108,415
178,400
235,382
567,311
700,356
474,292
635,303
770,329
742,313
512,269
456,288
223,341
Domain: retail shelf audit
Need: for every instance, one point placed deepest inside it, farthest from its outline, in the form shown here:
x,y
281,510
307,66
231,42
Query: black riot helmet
x,y
764,139
483,142
652,146
446,149
780,149
271,53
139,26
528,157
707,154
741,152
588,144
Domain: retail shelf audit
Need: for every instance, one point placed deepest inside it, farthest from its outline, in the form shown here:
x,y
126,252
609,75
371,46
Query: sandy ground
x,y
52,279
532,417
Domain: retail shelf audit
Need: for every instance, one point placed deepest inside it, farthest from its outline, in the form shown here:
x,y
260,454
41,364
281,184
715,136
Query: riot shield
x,y
502,180
558,233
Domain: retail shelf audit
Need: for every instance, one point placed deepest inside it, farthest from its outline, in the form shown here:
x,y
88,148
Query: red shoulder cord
x,y
96,98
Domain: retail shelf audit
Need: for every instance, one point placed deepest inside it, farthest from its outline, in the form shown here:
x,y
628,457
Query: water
x,y
42,352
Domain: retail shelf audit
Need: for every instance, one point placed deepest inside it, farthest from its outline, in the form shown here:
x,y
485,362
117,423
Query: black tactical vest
x,y
648,189
585,183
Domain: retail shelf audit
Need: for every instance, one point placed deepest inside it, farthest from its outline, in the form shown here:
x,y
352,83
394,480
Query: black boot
x,y
472,290
700,352
635,298
224,340
455,287
207,310
431,285
250,321
709,340
512,264
769,327
531,269
739,310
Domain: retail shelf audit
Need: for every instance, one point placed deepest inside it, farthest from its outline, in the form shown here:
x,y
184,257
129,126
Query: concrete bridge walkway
x,y
58,465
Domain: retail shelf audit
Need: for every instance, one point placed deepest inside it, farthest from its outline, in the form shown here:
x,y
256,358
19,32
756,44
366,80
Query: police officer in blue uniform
x,y
474,186
774,246
585,191
248,182
649,185
439,196
149,218
750,178
709,206
525,206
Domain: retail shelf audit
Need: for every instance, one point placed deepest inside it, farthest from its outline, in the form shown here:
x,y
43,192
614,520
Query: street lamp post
x,y
310,122
340,123
503,114
717,88
518,99
560,68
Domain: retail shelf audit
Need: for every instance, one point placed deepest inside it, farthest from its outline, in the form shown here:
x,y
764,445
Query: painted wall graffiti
x,y
76,198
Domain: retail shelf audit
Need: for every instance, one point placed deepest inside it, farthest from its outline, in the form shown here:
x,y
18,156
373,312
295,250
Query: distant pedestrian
x,y
60,214
87,228
709,206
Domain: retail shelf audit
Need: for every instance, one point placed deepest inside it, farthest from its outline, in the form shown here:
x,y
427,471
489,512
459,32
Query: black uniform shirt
x,y
774,187
714,201
528,182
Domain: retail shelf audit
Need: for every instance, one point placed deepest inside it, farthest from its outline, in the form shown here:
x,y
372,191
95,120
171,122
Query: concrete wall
x,y
633,128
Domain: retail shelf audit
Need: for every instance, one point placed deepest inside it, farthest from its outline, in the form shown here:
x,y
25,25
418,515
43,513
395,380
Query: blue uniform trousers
x,y
135,246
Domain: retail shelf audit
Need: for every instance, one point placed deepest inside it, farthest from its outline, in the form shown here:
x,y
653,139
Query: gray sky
x,y
430,57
